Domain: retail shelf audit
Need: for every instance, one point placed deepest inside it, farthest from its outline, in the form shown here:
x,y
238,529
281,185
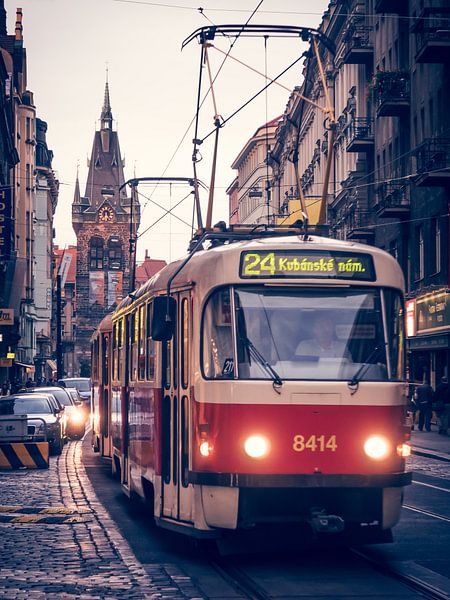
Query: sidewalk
x,y
431,444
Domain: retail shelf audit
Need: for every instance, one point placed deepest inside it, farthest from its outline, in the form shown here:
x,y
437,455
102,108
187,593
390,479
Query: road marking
x,y
43,519
427,513
48,510
435,487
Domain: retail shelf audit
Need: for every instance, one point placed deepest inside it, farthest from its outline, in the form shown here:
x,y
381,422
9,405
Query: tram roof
x,y
218,264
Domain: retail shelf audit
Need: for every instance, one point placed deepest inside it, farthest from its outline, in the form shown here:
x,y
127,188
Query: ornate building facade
x,y
104,220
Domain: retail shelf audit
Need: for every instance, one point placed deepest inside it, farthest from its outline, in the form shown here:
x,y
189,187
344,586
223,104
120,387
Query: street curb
x,y
430,454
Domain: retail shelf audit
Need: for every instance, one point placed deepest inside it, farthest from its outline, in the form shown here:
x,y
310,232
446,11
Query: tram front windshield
x,y
300,333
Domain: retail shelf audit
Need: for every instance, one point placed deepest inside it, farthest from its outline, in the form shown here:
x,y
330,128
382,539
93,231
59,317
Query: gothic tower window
x,y
96,253
114,254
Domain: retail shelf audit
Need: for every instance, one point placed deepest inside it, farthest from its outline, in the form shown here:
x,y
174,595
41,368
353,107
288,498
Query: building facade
x,y
46,198
388,132
26,215
105,219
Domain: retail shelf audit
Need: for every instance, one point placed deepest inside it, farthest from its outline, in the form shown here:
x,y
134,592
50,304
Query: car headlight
x,y
377,447
257,446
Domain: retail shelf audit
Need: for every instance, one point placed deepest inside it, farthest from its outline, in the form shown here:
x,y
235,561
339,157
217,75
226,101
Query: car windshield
x,y
32,406
82,385
60,394
309,334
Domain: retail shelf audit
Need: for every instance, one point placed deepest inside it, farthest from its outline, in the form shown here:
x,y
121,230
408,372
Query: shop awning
x,y
29,368
51,364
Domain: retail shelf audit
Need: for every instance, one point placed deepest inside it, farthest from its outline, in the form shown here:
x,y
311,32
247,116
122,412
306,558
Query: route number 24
x,y
315,443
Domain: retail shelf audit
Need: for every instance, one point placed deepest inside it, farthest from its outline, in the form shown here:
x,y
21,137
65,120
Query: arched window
x,y
114,254
96,253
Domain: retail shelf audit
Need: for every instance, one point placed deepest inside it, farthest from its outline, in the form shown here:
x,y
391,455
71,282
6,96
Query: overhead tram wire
x,y
199,107
274,12
253,97
164,209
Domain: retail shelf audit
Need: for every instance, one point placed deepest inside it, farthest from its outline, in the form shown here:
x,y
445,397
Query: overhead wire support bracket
x,y
209,32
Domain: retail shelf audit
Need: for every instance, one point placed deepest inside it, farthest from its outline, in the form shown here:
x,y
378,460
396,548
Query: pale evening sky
x,y
153,87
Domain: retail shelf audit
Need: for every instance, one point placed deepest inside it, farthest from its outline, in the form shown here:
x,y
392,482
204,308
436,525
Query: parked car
x,y
74,416
82,384
37,407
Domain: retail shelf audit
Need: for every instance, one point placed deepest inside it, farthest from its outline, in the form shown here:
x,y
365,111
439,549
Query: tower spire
x,y
106,117
77,195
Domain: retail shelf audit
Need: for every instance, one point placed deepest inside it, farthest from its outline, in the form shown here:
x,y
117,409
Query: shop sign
x,y
6,316
433,312
5,362
10,355
5,222
410,318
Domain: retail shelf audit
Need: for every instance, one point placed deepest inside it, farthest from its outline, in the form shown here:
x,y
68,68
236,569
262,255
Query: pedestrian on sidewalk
x,y
442,405
423,397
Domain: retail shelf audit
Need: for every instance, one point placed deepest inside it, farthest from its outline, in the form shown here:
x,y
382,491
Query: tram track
x,y
239,580
419,585
414,577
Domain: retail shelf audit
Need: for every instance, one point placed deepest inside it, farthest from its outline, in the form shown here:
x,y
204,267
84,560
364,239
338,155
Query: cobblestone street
x,y
83,557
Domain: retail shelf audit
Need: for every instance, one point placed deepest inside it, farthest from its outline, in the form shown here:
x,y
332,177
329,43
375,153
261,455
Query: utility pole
x,y
133,239
59,353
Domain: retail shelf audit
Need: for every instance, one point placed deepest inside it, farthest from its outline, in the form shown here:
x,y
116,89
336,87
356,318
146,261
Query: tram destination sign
x,y
306,264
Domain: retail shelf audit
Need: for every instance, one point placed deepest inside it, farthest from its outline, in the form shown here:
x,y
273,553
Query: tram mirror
x,y
163,320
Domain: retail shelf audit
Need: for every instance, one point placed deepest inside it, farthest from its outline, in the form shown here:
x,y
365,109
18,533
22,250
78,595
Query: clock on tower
x,y
105,214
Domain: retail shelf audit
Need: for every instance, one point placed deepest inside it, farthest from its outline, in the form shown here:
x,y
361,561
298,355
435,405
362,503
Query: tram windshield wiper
x,y
354,381
256,355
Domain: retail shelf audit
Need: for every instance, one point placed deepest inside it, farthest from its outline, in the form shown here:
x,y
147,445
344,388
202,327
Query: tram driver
x,y
323,343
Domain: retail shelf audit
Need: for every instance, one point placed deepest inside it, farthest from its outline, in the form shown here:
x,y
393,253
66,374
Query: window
x,y
218,361
151,349
96,253
300,334
114,254
185,343
141,332
435,248
420,253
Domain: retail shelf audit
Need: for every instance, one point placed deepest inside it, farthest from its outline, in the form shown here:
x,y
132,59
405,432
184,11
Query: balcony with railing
x,y
392,93
432,29
359,226
396,7
393,199
358,48
433,162
360,135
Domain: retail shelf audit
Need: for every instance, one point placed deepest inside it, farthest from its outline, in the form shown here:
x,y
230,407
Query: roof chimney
x,y
19,27
146,254
3,30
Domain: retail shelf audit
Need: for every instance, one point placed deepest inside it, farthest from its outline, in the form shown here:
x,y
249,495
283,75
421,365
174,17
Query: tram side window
x,y
114,351
395,319
151,345
105,359
120,349
141,360
185,343
217,343
133,334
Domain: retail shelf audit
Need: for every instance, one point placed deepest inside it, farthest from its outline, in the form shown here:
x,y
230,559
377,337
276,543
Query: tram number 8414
x,y
314,443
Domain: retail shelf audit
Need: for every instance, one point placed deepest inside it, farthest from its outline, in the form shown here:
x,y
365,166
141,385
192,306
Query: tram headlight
x,y
257,446
377,447
205,448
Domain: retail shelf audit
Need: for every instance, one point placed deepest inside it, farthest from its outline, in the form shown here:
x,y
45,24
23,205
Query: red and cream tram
x,y
260,380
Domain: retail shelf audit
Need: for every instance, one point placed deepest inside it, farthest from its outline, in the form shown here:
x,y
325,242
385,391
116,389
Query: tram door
x,y
177,494
105,412
126,398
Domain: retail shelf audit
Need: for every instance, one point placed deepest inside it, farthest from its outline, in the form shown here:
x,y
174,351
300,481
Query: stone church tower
x,y
101,220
